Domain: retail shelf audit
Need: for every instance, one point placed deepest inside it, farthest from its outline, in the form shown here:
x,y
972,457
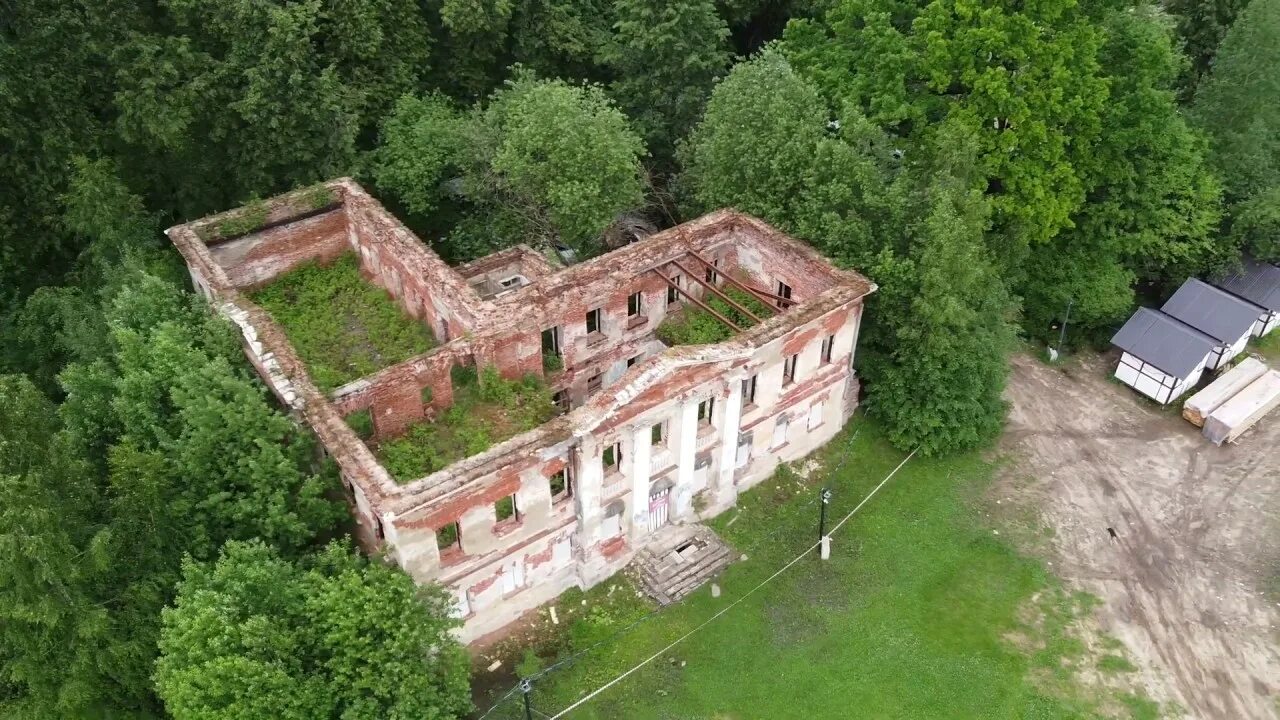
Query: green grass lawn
x,y
1269,346
486,410
922,612
342,326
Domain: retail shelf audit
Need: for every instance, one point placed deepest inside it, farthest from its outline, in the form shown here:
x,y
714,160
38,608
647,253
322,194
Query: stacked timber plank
x,y
1202,404
1233,417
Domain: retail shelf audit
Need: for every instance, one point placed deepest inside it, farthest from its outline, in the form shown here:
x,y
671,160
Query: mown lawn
x,y
922,612
342,326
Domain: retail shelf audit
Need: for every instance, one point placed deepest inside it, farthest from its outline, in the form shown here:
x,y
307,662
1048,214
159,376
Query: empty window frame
x,y
611,457
713,275
705,410
749,391
635,304
633,360
593,321
789,369
561,399
784,293
828,344
673,293
449,538
658,433
551,340
561,484
506,510
594,383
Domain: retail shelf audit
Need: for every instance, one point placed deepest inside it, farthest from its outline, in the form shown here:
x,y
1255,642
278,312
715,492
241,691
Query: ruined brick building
x,y
650,434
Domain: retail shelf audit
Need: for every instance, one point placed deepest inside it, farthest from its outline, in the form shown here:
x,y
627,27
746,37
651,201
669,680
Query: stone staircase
x,y
678,559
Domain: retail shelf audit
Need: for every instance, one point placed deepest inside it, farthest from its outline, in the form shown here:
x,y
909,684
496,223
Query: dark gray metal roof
x,y
1157,339
1257,282
1216,313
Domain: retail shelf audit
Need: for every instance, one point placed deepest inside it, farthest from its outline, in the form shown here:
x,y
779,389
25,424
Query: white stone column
x,y
684,438
588,482
721,491
637,463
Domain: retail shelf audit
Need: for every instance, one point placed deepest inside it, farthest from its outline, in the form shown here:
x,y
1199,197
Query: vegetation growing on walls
x,y
693,325
486,410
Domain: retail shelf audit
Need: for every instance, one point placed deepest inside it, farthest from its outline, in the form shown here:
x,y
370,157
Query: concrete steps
x,y
678,559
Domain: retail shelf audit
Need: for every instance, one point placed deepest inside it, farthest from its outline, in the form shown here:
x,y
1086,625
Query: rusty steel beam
x,y
696,301
716,291
762,294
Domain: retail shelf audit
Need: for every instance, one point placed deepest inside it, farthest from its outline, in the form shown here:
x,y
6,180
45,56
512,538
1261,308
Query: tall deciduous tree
x,y
1154,204
543,160
256,636
666,56
1238,105
235,101
768,145
1024,78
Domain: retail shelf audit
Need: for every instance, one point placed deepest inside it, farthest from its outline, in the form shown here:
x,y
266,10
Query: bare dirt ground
x,y
1183,584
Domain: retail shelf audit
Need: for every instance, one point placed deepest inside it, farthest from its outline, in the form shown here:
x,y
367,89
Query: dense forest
x,y
169,545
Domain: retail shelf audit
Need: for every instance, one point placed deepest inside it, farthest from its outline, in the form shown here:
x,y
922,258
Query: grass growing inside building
x,y
486,410
693,325
921,612
342,326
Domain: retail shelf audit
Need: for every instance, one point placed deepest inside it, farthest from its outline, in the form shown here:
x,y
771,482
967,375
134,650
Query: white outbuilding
x,y
1216,313
1259,284
1162,357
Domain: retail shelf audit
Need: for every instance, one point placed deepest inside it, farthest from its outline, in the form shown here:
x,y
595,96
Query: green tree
x,y
544,161
666,55
1256,225
58,647
257,636
1238,104
1154,204
938,359
1201,26
163,447
1024,78
767,145
756,143
423,144
55,103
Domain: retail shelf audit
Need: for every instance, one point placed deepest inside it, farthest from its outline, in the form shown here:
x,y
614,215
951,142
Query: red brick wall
x,y
254,259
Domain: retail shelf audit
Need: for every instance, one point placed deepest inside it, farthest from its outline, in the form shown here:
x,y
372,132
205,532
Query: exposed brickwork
x,y
485,317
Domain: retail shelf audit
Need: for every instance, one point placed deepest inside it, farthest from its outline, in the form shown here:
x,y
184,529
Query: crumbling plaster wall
x,y
498,570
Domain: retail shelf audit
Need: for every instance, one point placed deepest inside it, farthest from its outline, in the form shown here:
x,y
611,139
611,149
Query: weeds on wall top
x,y
250,218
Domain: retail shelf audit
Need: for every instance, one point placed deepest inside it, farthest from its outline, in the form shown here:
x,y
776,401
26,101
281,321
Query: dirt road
x,y
1197,525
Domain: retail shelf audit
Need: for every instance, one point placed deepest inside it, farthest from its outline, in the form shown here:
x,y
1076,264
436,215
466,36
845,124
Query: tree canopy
x,y
541,161
256,636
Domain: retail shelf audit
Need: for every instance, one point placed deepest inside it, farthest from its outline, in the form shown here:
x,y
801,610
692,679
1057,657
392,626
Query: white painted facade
x,y
1154,382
